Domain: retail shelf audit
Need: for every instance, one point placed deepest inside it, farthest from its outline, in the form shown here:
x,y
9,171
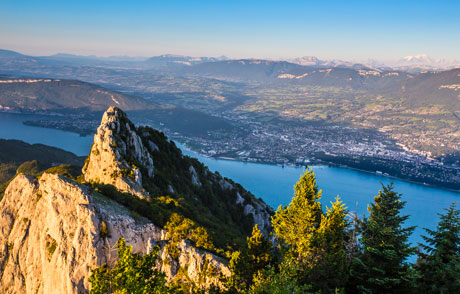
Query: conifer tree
x,y
296,223
257,256
259,251
313,241
331,271
382,266
439,265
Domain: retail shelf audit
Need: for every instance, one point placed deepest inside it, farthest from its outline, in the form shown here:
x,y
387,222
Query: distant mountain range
x,y
315,62
174,60
415,63
424,59
306,71
63,59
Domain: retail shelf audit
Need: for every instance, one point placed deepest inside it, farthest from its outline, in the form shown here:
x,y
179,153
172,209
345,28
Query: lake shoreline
x,y
326,164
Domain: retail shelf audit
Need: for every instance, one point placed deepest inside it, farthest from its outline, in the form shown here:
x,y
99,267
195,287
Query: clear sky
x,y
352,30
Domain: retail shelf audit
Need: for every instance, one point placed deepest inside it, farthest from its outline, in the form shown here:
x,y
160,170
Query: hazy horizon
x,y
381,62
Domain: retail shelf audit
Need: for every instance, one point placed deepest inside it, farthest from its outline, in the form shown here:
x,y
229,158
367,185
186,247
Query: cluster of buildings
x,y
291,143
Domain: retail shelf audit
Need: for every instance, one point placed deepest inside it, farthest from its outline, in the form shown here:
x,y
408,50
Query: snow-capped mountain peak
x,y
419,59
306,60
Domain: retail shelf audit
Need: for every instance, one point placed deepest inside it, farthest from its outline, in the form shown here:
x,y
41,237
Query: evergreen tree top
x,y
445,240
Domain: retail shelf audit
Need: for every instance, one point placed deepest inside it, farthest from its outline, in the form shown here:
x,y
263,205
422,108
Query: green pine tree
x,y
297,223
331,271
259,251
313,241
257,256
131,274
439,265
382,266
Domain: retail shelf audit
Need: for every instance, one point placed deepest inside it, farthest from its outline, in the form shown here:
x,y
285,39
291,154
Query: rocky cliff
x,y
114,154
53,233
53,230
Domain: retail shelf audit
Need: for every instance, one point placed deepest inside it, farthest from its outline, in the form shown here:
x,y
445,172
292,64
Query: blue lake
x,y
273,183
11,127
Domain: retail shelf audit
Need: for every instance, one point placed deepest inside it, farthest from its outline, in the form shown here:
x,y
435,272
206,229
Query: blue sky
x,y
351,30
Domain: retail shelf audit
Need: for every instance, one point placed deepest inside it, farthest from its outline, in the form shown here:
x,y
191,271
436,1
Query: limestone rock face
x,y
195,179
48,232
50,237
118,154
260,214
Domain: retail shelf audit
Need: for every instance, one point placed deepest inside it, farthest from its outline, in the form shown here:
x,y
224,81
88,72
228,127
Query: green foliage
x,y
246,264
296,223
439,265
282,282
184,284
382,266
330,273
179,228
156,211
132,273
7,171
67,170
30,168
259,251
313,242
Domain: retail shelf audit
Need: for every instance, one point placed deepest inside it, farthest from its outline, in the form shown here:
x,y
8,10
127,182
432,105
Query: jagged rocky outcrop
x,y
117,154
123,156
53,230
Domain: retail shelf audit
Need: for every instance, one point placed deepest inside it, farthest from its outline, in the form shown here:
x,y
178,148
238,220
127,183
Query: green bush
x,y
132,273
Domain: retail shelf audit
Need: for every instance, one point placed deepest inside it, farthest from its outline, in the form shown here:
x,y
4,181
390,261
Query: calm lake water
x,y
11,127
272,183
